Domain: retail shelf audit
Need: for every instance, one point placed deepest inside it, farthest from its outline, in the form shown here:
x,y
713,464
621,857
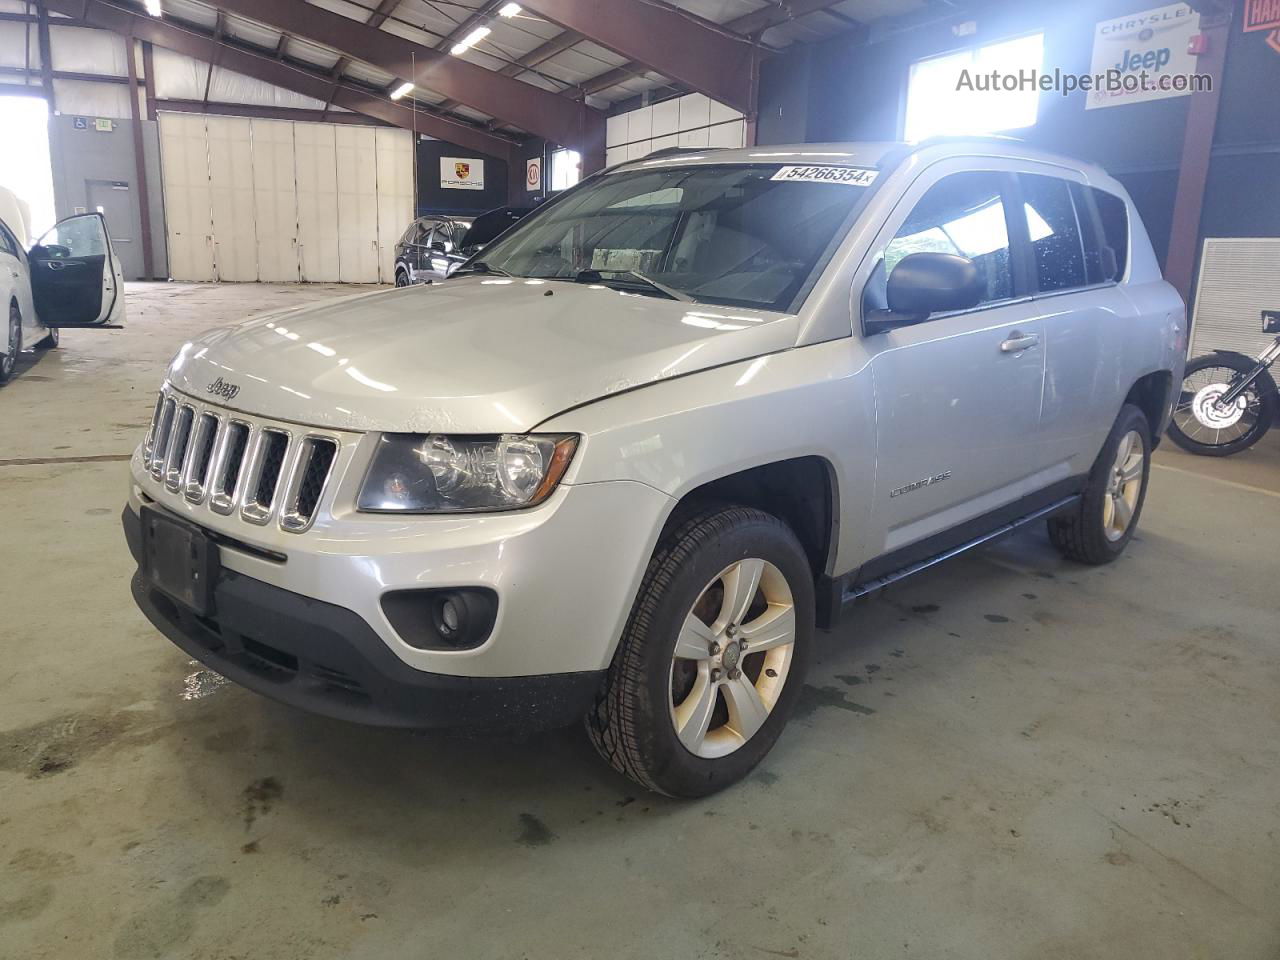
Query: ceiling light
x,y
510,10
470,40
153,7
401,90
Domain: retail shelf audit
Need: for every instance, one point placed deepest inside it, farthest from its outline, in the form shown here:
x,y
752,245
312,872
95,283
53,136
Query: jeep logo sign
x,y
221,388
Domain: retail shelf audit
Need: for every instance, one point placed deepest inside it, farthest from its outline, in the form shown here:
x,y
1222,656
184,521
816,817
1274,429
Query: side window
x,y
1114,217
1054,232
963,214
7,242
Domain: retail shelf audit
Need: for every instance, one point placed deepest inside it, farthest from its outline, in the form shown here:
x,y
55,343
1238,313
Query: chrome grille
x,y
233,465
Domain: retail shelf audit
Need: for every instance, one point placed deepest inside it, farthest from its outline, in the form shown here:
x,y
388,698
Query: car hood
x,y
473,355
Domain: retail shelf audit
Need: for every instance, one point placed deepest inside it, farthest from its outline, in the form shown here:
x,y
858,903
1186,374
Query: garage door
x,y
188,202
279,200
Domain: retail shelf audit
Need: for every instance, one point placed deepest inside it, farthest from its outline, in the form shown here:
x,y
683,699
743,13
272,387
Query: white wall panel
x,y
235,248
357,204
395,194
84,50
316,174
188,202
92,99
275,200
666,118
726,134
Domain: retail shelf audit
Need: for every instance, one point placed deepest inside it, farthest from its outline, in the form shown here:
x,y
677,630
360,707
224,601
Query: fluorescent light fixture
x,y
510,10
153,7
470,40
401,90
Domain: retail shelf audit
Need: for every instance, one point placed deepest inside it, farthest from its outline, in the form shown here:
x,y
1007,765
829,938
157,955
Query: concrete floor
x,y
1010,757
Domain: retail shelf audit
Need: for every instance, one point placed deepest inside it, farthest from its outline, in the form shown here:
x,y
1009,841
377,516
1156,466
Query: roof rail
x,y
676,151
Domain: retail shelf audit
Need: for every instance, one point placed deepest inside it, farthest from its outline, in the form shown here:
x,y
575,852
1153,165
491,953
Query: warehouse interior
x,y
1009,754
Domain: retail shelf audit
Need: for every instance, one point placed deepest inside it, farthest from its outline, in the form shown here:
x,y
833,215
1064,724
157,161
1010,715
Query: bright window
x,y
938,106
24,165
566,169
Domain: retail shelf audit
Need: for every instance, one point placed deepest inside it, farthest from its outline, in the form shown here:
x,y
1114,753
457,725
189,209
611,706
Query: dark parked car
x,y
429,249
489,226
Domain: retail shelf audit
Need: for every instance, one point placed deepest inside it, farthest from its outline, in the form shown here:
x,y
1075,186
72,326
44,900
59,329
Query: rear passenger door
x,y
958,396
1084,315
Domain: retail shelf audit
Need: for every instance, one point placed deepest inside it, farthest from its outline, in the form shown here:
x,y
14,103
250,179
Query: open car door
x,y
76,280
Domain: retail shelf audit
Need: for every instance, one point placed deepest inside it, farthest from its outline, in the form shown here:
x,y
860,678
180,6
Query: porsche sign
x,y
457,173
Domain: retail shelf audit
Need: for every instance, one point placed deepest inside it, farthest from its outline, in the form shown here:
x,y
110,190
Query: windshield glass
x,y
735,235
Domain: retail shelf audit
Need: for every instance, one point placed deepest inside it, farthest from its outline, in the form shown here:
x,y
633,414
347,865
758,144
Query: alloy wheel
x,y
1124,486
732,658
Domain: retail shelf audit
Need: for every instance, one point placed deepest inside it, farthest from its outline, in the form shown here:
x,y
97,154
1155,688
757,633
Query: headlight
x,y
436,473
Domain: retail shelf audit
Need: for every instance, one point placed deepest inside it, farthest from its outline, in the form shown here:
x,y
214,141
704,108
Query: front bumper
x,y
328,660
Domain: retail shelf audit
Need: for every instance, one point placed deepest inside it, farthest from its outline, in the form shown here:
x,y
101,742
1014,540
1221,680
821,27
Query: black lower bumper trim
x,y
326,659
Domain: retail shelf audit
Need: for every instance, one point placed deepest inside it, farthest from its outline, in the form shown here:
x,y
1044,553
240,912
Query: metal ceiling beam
x,y
539,111
195,43
561,42
665,40
751,24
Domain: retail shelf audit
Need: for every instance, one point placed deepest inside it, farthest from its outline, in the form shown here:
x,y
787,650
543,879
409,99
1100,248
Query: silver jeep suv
x,y
624,463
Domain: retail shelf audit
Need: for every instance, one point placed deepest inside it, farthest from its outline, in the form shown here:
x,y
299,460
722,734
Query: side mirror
x,y
923,284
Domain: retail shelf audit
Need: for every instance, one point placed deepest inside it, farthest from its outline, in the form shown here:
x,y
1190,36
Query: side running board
x,y
853,591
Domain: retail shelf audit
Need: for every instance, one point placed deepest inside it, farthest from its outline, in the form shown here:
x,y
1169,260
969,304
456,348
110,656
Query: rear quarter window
x,y
1113,216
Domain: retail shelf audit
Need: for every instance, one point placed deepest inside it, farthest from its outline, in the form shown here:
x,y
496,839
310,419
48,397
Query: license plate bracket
x,y
179,559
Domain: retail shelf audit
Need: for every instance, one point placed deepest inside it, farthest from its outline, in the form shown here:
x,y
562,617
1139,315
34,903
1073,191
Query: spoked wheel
x,y
732,658
13,345
713,656
1202,424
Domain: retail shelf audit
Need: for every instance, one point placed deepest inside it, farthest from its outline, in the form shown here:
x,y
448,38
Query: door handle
x,y
1018,342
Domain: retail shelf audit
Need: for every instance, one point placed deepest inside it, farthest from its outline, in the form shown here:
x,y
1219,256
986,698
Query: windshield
x,y
735,235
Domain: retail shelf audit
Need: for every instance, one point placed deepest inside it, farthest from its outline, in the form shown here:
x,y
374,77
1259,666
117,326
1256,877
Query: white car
x,y
623,466
70,278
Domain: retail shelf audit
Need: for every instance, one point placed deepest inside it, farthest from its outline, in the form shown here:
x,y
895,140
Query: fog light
x,y
455,619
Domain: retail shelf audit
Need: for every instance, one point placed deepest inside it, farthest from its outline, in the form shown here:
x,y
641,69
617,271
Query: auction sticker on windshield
x,y
850,176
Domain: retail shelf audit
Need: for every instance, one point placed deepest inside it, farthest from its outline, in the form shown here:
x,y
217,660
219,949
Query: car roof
x,y
879,154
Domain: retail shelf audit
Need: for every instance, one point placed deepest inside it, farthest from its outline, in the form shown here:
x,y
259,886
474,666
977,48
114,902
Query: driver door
x,y
76,279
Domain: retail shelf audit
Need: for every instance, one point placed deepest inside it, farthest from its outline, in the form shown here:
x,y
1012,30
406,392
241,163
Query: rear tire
x,y
13,345
1100,526
687,707
402,278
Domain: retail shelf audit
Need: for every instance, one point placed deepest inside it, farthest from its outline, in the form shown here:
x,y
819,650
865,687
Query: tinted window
x,y
1114,217
1054,232
963,214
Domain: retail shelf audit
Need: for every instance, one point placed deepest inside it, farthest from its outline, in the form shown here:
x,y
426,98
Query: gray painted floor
x,y
1011,757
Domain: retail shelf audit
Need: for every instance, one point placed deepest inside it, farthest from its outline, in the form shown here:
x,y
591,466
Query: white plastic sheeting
x,y
693,120
182,78
81,50
12,36
88,98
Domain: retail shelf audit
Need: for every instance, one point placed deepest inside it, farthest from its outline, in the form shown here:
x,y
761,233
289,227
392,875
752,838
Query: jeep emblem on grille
x,y
221,388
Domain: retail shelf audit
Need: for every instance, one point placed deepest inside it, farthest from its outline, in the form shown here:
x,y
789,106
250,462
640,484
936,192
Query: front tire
x,y
51,340
13,345
1097,530
713,656
402,278
1200,426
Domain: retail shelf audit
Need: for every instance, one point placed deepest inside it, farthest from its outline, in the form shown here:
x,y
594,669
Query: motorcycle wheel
x,y
1201,427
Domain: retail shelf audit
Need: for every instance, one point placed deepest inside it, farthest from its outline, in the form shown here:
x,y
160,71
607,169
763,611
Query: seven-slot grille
x,y
213,456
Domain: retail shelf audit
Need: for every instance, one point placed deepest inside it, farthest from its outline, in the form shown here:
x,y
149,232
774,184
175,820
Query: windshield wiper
x,y
480,267
594,276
